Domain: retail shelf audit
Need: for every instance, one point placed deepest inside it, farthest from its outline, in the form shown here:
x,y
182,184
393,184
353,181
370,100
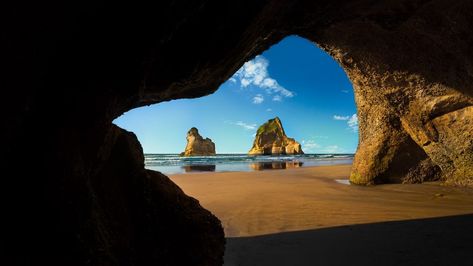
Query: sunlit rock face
x,y
271,139
70,69
197,145
413,92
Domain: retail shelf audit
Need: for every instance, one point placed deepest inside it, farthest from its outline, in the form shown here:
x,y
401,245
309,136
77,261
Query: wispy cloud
x,y
309,145
345,91
277,98
353,123
243,125
339,117
333,149
258,99
255,72
269,110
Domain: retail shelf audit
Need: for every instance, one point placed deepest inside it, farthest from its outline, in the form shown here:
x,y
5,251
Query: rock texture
x,y
408,113
271,139
69,69
198,146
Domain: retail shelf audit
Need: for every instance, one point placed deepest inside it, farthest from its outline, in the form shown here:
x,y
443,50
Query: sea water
x,y
174,164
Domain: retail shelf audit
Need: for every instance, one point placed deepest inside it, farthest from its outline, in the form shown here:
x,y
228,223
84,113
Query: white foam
x,y
343,181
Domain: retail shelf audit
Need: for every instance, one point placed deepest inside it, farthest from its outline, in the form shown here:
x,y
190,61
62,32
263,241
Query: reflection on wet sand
x,y
275,165
199,168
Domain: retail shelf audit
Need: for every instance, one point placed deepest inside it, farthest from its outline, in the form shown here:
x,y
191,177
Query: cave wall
x,y
74,188
410,64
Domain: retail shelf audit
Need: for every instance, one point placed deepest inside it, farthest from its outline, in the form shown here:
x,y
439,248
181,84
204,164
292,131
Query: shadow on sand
x,y
433,241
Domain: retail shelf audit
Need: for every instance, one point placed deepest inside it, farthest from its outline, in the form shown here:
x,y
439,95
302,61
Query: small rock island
x,y
198,146
272,140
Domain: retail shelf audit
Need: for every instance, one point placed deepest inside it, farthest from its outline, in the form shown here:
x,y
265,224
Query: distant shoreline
x,y
219,154
339,180
175,164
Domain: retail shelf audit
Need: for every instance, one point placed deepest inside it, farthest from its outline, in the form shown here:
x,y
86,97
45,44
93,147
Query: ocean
x,y
174,164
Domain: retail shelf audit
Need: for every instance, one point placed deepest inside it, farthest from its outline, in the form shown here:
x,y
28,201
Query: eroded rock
x,y
413,93
271,139
197,145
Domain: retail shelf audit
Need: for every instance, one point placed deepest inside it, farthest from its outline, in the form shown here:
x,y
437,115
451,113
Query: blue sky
x,y
294,80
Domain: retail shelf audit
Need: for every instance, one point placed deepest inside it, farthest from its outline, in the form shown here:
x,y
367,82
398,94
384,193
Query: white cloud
x,y
233,80
277,98
309,145
345,91
258,99
353,122
269,110
333,149
255,72
339,117
244,125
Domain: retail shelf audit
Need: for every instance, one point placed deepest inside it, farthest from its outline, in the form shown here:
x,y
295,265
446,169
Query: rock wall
x,y
69,69
412,73
271,139
198,146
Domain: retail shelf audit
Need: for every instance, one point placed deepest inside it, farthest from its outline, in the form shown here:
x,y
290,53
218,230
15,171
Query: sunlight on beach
x,y
267,202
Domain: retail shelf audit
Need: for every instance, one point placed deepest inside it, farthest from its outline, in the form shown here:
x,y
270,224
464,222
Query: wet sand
x,y
291,209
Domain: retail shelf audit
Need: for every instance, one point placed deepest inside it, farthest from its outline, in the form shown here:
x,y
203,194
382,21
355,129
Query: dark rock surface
x,y
82,196
124,215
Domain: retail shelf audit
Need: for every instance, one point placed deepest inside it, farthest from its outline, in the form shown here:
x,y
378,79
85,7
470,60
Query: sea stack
x,y
272,140
198,146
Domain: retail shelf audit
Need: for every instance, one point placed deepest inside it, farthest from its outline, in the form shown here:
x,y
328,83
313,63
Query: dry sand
x,y
301,216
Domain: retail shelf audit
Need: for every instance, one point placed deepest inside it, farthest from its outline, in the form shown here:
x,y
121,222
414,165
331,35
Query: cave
x,y
86,199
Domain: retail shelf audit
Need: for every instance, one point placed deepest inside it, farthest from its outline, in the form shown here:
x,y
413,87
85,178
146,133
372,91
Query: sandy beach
x,y
309,213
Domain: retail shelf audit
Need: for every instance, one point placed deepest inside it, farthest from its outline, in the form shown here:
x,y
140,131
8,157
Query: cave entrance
x,y
294,80
293,88
296,84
